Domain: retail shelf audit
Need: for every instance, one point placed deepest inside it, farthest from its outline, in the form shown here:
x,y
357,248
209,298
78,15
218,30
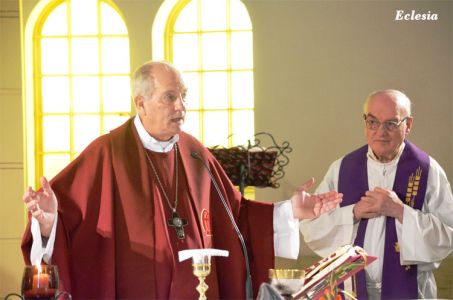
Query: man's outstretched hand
x,y
42,205
310,206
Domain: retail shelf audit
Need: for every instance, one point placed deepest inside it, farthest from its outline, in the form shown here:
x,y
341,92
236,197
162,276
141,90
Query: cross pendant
x,y
178,223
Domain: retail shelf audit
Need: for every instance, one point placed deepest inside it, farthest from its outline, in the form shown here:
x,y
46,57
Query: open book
x,y
333,270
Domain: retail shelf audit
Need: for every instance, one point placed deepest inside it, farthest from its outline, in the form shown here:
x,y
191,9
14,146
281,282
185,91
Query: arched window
x,y
81,74
212,43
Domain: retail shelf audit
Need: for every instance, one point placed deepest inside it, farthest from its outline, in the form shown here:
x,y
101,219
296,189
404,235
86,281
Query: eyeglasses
x,y
373,124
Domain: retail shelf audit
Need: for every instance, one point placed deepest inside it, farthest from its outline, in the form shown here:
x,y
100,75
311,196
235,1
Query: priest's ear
x,y
409,122
140,104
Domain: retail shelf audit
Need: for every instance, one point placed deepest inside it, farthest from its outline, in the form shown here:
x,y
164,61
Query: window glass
x,y
212,43
56,136
214,47
116,93
187,19
113,121
192,79
56,22
52,163
242,126
86,129
215,128
239,19
242,89
241,50
84,17
115,55
185,51
192,124
215,90
214,15
85,94
54,56
85,55
111,21
83,63
55,94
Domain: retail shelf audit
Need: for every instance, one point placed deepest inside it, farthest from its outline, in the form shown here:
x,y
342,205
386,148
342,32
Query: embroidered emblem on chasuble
x,y
397,247
206,222
397,250
410,185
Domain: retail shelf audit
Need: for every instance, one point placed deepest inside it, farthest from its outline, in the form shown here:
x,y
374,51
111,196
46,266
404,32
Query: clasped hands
x,y
379,202
310,206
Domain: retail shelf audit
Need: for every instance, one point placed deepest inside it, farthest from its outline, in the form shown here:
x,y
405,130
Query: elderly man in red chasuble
x,y
115,218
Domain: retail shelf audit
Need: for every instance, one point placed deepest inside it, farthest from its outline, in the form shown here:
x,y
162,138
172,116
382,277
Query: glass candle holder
x,y
40,282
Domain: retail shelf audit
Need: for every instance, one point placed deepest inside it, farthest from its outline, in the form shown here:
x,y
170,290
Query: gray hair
x,y
403,102
142,83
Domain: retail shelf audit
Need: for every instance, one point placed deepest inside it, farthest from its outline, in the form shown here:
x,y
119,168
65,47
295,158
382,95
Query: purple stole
x,y
398,282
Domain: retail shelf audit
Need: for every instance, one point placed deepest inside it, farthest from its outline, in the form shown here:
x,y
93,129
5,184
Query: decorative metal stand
x,y
254,164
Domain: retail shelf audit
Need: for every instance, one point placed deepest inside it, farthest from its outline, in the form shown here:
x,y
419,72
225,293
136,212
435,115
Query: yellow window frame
x,y
33,109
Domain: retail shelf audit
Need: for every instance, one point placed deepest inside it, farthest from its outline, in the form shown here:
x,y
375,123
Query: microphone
x,y
248,281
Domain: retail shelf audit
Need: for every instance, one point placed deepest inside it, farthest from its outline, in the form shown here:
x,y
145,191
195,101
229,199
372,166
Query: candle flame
x,y
39,268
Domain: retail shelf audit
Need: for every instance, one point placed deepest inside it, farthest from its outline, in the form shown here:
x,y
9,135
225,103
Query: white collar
x,y
373,157
151,143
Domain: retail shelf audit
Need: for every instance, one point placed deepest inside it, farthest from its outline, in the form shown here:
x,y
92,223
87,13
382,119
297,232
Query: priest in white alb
x,y
397,204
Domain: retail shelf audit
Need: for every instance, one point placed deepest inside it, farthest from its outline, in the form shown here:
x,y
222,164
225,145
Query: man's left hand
x,y
309,206
385,202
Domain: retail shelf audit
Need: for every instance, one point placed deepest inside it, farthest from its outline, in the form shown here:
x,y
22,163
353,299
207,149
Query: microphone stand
x,y
248,281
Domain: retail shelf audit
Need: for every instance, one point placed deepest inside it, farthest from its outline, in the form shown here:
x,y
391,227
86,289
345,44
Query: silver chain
x,y
160,183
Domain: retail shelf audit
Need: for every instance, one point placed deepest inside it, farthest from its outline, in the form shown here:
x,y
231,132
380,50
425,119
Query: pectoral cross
x,y
178,223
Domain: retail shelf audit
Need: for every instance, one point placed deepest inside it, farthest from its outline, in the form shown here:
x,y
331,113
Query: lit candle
x,y
40,280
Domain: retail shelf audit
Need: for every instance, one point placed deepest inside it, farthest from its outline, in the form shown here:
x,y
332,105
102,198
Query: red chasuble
x,y
113,240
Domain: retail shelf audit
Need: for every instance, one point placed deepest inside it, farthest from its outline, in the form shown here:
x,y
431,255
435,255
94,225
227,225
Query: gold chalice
x,y
201,268
201,264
